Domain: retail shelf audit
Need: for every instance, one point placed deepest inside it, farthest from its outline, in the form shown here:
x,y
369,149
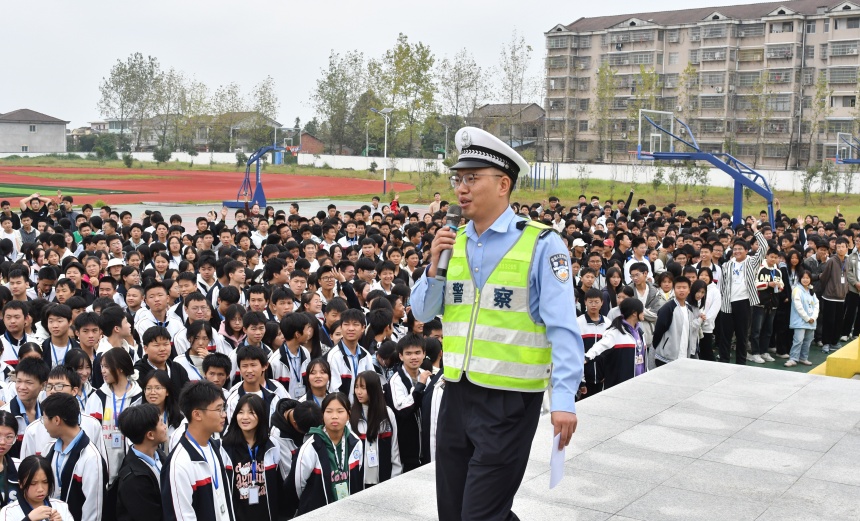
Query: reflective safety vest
x,y
489,333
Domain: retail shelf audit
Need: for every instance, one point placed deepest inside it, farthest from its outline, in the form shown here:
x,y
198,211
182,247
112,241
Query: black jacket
x,y
138,491
178,374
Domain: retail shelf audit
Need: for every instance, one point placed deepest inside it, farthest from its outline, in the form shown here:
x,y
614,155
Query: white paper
x,y
556,462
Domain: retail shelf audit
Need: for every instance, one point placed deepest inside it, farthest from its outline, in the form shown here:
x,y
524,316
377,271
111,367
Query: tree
x,y
168,93
516,87
264,106
409,68
461,85
194,105
116,96
336,92
363,125
760,112
143,74
645,98
688,94
817,113
228,107
601,109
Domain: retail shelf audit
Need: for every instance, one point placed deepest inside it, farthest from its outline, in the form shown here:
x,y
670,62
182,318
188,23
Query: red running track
x,y
170,186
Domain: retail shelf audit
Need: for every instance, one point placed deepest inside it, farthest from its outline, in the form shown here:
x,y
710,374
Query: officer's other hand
x,y
563,423
444,240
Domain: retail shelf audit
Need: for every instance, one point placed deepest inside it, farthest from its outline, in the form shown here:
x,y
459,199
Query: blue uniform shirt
x,y
551,301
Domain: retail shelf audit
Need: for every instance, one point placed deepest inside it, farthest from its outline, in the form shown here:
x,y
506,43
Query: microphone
x,y
452,220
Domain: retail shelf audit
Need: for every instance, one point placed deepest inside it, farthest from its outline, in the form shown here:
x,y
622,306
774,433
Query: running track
x,y
168,186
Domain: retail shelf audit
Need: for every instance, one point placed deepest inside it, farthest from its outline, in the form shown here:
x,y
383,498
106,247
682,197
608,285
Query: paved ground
x,y
690,441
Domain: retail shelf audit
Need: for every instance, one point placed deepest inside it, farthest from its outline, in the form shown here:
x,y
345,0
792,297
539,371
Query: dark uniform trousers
x,y
483,441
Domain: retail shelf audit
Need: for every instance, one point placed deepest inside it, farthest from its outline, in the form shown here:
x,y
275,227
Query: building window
x,y
810,26
583,125
25,148
843,48
748,79
827,25
583,146
673,58
853,23
809,52
843,75
583,104
32,129
556,42
712,102
782,27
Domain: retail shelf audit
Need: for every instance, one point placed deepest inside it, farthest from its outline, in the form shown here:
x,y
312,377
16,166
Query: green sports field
x,y
8,191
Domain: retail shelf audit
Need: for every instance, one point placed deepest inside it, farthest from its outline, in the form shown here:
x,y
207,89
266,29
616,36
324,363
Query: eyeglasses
x,y
327,279
56,387
156,389
9,439
468,179
220,410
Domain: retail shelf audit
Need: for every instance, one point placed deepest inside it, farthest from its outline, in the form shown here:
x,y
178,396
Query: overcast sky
x,y
54,53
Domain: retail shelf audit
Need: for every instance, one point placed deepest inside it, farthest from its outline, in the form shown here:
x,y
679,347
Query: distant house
x,y
520,125
28,131
311,144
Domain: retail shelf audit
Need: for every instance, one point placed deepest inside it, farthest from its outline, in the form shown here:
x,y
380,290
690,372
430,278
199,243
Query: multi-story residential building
x,y
744,77
28,131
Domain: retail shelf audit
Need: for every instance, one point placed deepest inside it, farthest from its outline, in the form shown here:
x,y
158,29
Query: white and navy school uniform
x,y
405,398
18,510
184,360
382,455
36,437
16,407
313,473
345,367
592,331
269,397
80,475
56,355
218,345
10,346
144,319
291,371
194,479
9,491
104,406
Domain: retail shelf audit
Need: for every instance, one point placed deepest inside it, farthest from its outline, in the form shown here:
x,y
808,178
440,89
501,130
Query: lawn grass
x,y
691,199
8,191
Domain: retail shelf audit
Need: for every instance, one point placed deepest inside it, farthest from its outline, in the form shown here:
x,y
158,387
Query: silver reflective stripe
x,y
453,360
455,329
509,336
494,296
510,369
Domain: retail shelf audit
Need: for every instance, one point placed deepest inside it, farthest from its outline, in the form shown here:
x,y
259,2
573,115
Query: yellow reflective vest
x,y
489,334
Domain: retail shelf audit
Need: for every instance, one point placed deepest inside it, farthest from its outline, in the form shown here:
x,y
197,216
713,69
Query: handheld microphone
x,y
452,220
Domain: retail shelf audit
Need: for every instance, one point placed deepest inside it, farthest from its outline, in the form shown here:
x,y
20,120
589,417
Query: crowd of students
x,y
262,364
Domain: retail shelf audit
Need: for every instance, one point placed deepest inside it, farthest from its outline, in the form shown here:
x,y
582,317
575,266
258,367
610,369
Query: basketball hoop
x,y
294,150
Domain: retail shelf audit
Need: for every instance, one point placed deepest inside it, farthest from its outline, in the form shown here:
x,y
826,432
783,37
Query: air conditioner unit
x,y
624,135
719,89
741,34
580,66
679,108
731,88
625,62
720,55
683,130
619,46
852,51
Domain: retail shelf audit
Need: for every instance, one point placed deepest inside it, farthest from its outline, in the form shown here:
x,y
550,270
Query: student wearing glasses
x,y
194,482
8,470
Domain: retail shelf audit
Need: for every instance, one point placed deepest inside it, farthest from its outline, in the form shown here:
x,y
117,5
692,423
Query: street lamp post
x,y
446,141
385,114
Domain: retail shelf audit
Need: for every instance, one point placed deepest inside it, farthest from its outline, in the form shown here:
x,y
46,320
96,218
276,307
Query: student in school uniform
x,y
376,426
36,499
622,350
138,488
592,325
252,364
57,320
290,361
108,402
199,335
348,358
79,470
405,393
159,390
329,465
156,344
36,437
8,468
30,376
319,381
194,480
254,479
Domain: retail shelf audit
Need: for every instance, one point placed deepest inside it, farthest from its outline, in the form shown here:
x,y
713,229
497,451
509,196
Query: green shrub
x,y
127,160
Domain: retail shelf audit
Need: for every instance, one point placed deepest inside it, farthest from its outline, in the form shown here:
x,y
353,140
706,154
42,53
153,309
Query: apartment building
x,y
744,77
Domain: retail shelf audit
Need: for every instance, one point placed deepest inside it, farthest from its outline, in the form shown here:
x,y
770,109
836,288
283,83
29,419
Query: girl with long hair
x,y
8,471
254,476
35,502
617,362
376,426
158,389
319,378
614,283
231,326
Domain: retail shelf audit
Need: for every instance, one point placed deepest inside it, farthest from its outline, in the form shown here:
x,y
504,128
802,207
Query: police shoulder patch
x,y
560,265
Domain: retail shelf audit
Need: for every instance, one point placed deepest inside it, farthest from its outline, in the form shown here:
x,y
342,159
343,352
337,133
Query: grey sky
x,y
55,52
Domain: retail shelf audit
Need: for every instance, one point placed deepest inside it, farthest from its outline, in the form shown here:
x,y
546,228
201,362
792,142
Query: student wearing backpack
x,y
136,493
405,391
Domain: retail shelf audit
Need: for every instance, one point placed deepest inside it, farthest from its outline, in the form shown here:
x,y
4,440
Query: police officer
x,y
509,331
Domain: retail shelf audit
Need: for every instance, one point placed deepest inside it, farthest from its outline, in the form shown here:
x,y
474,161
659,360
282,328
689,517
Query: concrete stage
x,y
690,441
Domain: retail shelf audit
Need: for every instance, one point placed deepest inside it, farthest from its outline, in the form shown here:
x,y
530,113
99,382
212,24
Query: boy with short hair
x,y
138,485
30,376
676,331
592,325
89,332
216,369
348,358
198,462
252,364
80,473
58,318
156,345
15,318
290,361
405,394
254,327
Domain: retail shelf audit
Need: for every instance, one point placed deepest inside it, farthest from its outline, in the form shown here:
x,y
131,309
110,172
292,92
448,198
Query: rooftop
x,y
29,116
687,16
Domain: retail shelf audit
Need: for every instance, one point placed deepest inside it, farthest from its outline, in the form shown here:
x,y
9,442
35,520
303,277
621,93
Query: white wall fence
x,y
643,173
